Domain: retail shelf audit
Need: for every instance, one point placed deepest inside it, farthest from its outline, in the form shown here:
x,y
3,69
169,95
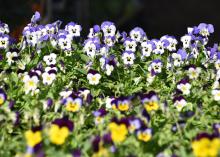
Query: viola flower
x,y
137,34
172,42
85,94
33,136
64,42
3,97
4,41
66,93
109,41
93,77
130,45
205,29
99,114
159,46
216,94
184,86
206,145
73,29
4,29
146,48
128,57
60,130
94,32
144,134
118,130
108,28
47,104
150,101
123,104
91,47
179,57
193,72
50,59
155,66
72,104
134,124
110,64
10,57
179,102
186,40
48,77
35,18
216,128
30,83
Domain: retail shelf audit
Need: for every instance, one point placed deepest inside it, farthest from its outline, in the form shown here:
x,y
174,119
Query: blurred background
x,y
156,17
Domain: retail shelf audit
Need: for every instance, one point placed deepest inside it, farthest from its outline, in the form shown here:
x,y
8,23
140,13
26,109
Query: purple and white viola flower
x,y
72,103
194,51
99,115
110,65
73,29
35,18
91,47
128,57
159,46
4,41
179,103
155,66
109,41
179,57
134,124
50,59
93,77
171,42
184,86
147,48
4,29
108,28
94,32
130,45
137,34
186,40
64,42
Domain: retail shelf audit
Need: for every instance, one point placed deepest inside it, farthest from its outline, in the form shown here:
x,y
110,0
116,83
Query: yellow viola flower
x,y
144,135
73,105
33,138
103,152
206,147
151,106
58,134
118,132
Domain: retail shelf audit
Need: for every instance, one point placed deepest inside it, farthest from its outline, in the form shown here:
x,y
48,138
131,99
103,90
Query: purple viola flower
x,y
205,29
134,124
147,48
76,153
182,53
35,18
109,40
155,66
99,114
137,34
159,46
91,47
108,28
64,122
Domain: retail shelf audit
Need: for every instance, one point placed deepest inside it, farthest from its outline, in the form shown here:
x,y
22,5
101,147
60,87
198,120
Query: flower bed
x,y
112,94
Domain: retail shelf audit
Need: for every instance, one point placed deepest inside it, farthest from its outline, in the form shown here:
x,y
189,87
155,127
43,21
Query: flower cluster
x,y
108,94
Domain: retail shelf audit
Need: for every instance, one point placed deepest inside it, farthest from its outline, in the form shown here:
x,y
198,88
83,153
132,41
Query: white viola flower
x,y
137,34
146,48
104,50
64,42
50,59
109,41
48,78
73,29
179,103
128,57
177,61
30,83
108,28
194,51
21,64
4,41
130,45
159,46
10,56
186,40
4,29
102,62
109,69
93,77
184,86
65,94
193,72
216,94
